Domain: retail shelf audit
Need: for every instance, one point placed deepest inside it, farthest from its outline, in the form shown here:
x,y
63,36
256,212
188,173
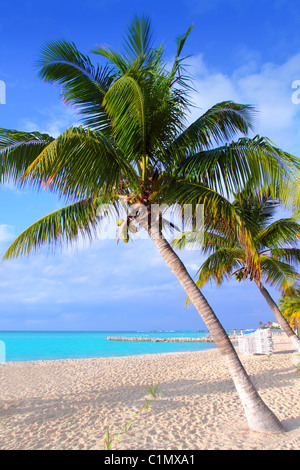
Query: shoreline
x,y
206,342
69,403
103,357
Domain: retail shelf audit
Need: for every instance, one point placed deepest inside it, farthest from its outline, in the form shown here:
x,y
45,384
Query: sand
x,y
69,404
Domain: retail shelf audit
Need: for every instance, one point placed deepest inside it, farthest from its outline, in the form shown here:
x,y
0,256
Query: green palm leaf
x,y
279,274
176,75
139,38
222,122
228,168
280,233
83,84
124,103
208,241
276,256
63,225
288,255
18,150
290,307
79,163
216,206
219,265
138,48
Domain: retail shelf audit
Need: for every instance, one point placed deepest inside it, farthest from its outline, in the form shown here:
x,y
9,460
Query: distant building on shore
x,y
274,324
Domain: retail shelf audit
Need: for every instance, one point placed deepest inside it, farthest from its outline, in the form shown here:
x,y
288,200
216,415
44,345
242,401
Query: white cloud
x,y
267,87
36,299
6,233
79,279
52,121
192,266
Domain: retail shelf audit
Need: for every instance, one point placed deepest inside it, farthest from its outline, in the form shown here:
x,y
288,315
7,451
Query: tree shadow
x,y
291,424
285,351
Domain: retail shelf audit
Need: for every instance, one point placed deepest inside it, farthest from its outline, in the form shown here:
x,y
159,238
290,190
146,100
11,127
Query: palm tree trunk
x,y
296,327
259,416
279,317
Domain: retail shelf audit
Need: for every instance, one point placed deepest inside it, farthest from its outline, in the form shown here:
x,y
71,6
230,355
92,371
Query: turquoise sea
x,y
33,346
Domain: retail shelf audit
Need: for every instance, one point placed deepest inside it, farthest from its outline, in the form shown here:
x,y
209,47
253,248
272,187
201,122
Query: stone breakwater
x,y
204,339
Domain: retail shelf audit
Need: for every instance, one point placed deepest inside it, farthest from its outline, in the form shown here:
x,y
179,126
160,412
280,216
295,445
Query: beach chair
x,y
259,342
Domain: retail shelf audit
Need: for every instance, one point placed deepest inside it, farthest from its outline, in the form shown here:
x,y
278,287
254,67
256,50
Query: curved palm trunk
x,y
259,416
279,317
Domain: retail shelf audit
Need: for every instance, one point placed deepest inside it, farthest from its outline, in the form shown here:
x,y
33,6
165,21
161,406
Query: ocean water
x,y
32,346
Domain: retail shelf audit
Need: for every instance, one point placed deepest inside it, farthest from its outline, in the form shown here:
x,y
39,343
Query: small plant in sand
x,y
297,363
108,441
113,439
153,390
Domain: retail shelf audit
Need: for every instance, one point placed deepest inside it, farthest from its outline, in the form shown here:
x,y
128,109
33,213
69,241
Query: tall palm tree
x,y
273,240
289,305
137,147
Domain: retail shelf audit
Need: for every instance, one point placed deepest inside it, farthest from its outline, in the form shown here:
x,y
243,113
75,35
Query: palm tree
x,y
137,147
273,240
290,308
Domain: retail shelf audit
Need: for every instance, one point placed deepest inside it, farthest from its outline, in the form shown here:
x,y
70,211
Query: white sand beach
x,y
69,404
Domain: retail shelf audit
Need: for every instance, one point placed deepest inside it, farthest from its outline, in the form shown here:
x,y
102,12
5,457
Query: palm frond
x,y
290,306
18,150
216,207
176,75
228,168
256,208
279,274
279,234
288,255
83,84
220,264
218,267
145,114
120,63
80,163
207,241
222,121
138,47
124,103
64,225
139,38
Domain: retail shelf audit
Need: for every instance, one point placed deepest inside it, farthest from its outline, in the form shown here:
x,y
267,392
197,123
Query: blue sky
x,y
247,51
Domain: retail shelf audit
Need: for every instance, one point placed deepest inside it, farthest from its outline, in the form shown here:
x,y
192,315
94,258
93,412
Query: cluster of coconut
x,y
126,226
